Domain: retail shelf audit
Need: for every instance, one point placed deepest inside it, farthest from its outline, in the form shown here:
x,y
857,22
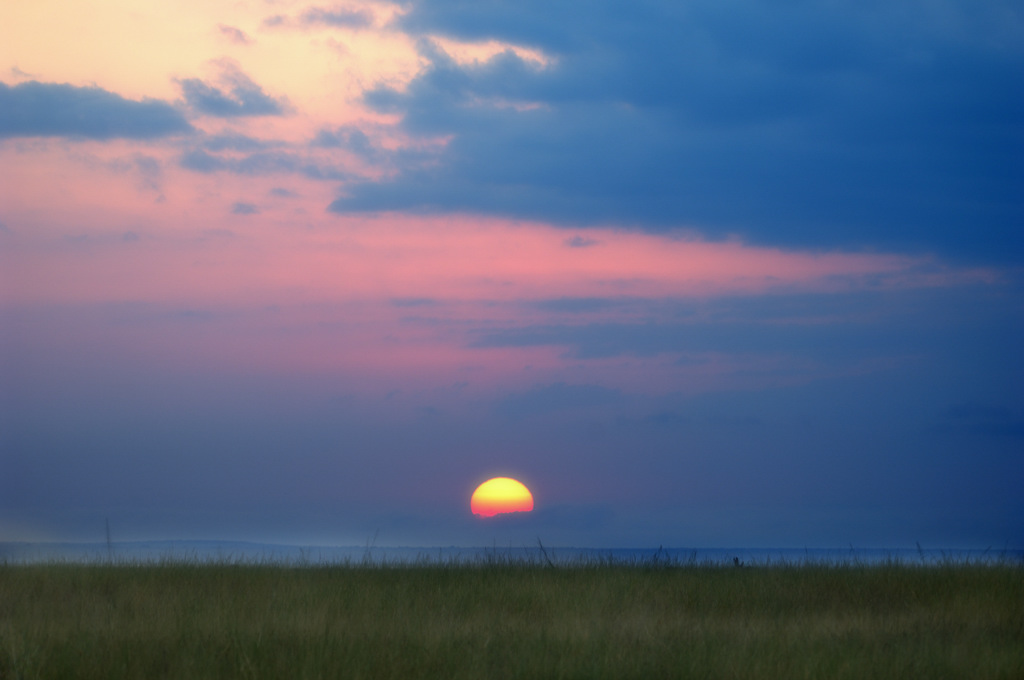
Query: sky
x,y
709,273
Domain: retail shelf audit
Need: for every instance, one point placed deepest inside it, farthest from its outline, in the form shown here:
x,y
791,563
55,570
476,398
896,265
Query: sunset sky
x,y
698,272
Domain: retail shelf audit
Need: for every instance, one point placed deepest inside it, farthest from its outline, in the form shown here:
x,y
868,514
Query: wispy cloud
x,y
261,163
235,35
339,17
324,17
241,208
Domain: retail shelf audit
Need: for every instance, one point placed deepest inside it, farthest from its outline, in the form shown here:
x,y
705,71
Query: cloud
x,y
242,96
576,305
36,109
260,163
245,155
835,330
837,126
235,35
339,17
150,172
349,138
413,302
580,242
240,208
323,17
236,142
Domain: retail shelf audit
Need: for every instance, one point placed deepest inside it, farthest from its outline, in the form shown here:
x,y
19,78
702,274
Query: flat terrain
x,y
507,619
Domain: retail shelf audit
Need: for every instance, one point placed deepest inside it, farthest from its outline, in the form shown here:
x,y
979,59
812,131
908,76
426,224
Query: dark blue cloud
x,y
243,97
35,109
841,125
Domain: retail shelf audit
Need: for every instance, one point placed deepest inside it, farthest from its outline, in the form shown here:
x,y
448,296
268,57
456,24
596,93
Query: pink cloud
x,y
388,301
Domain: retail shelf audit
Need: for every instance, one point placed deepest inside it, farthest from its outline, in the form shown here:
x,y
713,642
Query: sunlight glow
x,y
501,495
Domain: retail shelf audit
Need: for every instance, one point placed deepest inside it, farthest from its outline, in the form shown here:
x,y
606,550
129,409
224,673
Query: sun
x,y
500,495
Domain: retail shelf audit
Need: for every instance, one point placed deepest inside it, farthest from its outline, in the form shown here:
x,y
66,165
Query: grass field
x,y
509,619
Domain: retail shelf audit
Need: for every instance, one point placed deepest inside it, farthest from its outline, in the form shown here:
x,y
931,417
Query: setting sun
x,y
500,495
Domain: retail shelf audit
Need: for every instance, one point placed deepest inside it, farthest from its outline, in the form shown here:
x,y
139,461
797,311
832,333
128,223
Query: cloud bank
x,y
36,109
847,126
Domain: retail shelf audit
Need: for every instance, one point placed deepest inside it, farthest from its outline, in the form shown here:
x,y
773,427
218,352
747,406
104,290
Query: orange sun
x,y
501,495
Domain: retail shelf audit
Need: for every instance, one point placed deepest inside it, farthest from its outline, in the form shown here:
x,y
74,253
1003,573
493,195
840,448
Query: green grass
x,y
505,619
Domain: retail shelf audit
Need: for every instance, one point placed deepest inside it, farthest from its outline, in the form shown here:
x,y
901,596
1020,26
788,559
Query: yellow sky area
x,y
129,47
139,50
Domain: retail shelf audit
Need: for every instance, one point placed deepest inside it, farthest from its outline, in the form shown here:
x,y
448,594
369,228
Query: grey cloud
x,y
240,208
35,109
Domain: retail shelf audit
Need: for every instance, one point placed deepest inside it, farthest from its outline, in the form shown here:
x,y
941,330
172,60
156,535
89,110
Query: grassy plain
x,y
511,620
